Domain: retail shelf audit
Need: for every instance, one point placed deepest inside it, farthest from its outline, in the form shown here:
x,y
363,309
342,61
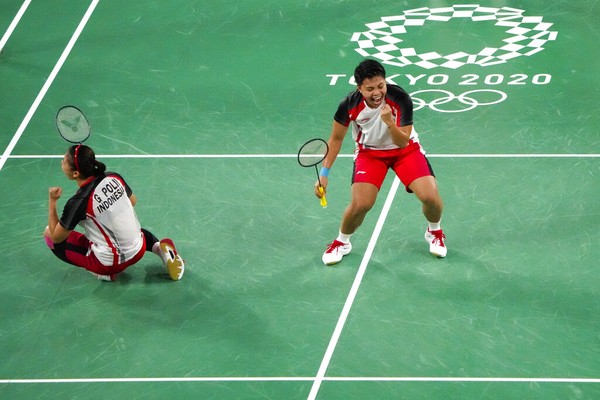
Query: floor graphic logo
x,y
526,35
465,101
385,40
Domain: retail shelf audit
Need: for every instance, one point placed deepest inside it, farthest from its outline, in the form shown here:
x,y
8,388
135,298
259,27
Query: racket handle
x,y
323,199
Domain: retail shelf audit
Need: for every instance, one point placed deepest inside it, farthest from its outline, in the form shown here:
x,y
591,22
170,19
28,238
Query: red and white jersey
x,y
102,207
368,130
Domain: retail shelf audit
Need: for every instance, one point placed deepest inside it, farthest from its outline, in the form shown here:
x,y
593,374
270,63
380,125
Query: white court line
x,y
304,379
14,23
460,379
48,83
295,155
353,291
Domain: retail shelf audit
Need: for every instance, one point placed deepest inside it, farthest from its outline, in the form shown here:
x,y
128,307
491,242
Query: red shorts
x,y
76,250
409,163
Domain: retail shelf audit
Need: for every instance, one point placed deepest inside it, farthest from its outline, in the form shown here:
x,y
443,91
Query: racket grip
x,y
323,199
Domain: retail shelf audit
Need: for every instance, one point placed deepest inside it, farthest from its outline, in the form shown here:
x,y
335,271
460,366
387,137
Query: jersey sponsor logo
x,y
388,40
107,194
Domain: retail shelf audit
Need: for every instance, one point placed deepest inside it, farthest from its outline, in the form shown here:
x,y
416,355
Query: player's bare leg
x,y
426,190
363,199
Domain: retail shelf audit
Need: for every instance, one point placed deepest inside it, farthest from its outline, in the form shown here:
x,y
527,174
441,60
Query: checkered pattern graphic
x,y
527,36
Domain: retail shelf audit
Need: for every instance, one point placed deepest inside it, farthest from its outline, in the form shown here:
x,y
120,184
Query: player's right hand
x,y
321,189
54,192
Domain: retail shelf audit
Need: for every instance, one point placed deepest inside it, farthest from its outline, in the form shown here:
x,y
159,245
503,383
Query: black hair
x,y
368,69
83,159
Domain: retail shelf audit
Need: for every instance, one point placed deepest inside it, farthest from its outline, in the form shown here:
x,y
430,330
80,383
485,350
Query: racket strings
x,y
72,124
312,153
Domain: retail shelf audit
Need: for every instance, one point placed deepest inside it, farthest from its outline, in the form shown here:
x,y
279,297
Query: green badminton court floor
x,y
202,107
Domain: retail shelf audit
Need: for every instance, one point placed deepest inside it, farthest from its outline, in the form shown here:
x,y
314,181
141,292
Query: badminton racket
x,y
72,124
310,155
74,127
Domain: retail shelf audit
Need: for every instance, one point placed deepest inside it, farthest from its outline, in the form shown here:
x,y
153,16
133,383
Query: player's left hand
x,y
54,192
386,115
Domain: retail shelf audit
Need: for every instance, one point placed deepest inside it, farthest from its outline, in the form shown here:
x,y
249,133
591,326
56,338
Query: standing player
x,y
381,117
103,206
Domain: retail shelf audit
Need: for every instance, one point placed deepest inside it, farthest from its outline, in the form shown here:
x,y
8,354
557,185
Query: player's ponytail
x,y
99,168
83,160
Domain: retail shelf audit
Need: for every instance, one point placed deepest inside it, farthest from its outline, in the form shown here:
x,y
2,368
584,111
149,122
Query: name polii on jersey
x,y
111,193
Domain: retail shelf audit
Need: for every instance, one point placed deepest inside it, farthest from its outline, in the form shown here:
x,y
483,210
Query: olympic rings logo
x,y
465,101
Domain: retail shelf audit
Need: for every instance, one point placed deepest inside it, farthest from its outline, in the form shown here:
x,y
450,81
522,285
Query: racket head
x,y
312,152
72,124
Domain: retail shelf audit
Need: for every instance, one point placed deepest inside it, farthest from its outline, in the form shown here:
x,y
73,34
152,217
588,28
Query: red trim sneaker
x,y
437,247
173,261
335,251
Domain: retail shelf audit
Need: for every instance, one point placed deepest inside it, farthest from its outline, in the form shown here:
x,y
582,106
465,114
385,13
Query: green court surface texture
x,y
202,106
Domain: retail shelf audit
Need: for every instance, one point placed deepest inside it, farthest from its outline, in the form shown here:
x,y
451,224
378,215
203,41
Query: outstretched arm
x,y
338,133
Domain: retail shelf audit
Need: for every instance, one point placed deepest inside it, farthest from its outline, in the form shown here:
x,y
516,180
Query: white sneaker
x,y
437,247
335,251
107,278
173,261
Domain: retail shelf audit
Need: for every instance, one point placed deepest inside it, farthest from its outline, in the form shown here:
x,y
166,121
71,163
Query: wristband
x,y
324,172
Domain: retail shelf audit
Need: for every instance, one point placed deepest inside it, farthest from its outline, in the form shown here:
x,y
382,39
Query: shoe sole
x,y
175,265
438,255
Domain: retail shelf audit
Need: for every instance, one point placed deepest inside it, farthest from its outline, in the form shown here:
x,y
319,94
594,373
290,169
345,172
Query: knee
x,y
47,238
361,206
432,199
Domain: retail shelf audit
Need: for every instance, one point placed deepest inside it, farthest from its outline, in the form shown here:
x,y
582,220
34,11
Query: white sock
x,y
155,248
435,226
342,237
